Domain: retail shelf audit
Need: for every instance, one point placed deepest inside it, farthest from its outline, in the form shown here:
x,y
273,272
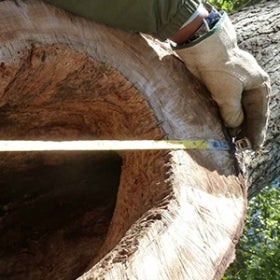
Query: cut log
x,y
177,214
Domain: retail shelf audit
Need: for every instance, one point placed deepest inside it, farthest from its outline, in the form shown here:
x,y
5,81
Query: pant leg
x,y
160,18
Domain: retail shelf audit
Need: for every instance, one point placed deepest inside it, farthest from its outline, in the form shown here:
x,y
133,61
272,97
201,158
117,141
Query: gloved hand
x,y
236,82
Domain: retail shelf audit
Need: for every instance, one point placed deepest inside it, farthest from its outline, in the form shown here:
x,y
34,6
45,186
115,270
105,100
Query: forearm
x,y
160,18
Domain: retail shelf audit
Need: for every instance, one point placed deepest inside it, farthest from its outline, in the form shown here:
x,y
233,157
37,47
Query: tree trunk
x,y
258,29
129,215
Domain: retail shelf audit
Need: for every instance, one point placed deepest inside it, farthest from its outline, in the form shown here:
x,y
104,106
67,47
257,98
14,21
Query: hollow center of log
x,y
56,215
56,207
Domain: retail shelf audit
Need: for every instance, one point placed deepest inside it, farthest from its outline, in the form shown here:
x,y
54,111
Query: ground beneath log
x,y
54,217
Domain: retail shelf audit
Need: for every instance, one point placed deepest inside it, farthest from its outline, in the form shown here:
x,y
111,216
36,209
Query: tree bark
x,y
178,214
258,30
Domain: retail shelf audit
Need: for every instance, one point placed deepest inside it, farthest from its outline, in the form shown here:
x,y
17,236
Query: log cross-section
x,y
178,214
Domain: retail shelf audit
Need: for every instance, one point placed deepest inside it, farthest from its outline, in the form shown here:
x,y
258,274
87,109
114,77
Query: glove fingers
x,y
255,104
250,72
227,93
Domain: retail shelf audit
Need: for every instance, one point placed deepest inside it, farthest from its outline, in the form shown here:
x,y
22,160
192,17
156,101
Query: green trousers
x,y
159,18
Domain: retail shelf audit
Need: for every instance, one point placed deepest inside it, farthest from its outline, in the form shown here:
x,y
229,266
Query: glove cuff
x,y
213,47
208,23
222,31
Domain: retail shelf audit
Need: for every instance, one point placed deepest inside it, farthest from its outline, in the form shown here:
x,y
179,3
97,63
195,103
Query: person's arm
x,y
159,18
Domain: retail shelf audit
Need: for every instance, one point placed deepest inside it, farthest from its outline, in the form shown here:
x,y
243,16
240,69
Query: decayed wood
x,y
258,29
178,214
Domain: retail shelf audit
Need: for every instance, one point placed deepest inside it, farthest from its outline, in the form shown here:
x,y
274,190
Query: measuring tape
x,y
113,145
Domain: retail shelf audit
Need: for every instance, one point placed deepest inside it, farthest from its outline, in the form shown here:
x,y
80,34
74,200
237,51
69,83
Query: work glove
x,y
236,82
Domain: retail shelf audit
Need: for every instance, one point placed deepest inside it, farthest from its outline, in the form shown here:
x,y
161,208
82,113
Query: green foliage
x,y
258,252
231,5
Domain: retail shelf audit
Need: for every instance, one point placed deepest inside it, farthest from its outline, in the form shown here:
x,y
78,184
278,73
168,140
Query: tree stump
x,y
127,215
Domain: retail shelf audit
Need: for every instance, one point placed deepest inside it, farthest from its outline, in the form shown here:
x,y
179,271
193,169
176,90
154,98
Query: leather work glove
x,y
236,82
